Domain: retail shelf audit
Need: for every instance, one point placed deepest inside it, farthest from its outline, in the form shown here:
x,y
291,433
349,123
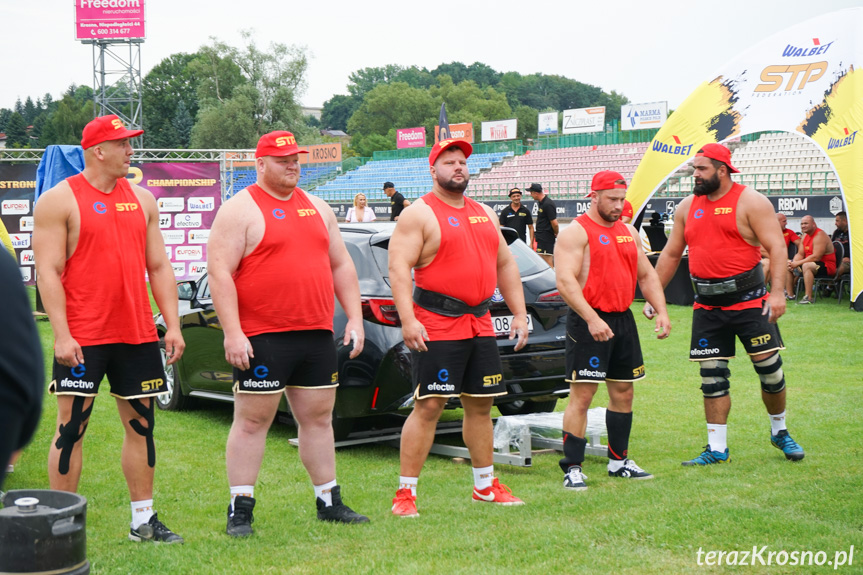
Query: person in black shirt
x,y
840,234
397,201
517,217
546,223
22,376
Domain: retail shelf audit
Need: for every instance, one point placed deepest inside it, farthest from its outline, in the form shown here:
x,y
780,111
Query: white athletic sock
x,y
325,492
777,423
244,490
409,483
615,464
141,512
483,477
717,436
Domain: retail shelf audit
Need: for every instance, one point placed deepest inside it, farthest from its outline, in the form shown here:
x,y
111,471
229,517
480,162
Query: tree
x,y
364,81
30,111
338,110
227,125
391,106
528,119
65,123
171,82
5,114
182,125
16,132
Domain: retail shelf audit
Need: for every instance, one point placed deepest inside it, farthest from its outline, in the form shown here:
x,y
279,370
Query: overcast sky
x,y
648,50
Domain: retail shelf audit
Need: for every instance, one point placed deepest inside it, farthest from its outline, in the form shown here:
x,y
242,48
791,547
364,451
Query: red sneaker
x,y
404,504
497,493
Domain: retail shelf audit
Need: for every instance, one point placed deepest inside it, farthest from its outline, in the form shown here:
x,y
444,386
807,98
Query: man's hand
x,y
648,311
67,352
518,329
174,345
774,307
238,350
354,332
415,336
600,330
663,325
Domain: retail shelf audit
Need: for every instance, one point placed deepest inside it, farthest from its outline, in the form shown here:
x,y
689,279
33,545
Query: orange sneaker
x,y
497,493
404,504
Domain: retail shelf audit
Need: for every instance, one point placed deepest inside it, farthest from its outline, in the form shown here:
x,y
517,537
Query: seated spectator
x,y
841,235
816,259
791,237
361,212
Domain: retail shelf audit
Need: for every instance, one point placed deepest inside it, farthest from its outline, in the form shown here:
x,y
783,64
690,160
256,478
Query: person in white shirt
x,y
361,212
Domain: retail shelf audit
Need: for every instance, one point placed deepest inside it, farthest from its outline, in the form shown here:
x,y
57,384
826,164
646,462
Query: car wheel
x,y
173,399
523,407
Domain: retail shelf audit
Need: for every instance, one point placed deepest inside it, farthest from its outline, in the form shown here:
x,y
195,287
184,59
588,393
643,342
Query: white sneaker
x,y
574,479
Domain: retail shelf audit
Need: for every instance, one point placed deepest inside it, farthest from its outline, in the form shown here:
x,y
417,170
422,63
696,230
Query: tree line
x,y
225,97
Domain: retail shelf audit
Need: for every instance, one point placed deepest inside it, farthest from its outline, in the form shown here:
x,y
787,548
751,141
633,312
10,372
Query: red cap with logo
x,y
278,143
104,129
444,144
719,153
607,180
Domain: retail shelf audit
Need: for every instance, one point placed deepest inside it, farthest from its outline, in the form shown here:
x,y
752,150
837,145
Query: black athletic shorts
x,y
591,361
133,370
545,247
458,367
302,359
714,330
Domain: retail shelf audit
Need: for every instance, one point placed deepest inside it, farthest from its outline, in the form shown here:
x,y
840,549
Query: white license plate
x,y
502,323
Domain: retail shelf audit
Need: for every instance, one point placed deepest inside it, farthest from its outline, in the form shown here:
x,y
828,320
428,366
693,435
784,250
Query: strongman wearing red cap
x,y
94,236
599,260
278,323
455,246
725,224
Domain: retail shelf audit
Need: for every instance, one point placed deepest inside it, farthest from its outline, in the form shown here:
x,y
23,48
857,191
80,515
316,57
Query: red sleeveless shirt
x,y
610,285
829,260
286,283
465,267
106,292
716,248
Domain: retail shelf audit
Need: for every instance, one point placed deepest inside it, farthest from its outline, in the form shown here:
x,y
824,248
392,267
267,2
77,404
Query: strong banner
x,y
807,80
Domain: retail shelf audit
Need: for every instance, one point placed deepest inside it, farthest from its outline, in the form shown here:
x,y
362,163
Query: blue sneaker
x,y
708,457
789,447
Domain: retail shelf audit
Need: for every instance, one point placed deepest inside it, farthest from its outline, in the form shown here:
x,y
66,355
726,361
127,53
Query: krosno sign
x,y
109,19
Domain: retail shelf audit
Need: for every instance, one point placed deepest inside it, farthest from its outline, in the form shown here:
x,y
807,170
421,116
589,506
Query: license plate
x,y
502,323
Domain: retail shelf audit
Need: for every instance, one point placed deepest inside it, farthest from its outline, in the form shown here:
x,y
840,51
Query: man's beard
x,y
706,186
455,187
609,217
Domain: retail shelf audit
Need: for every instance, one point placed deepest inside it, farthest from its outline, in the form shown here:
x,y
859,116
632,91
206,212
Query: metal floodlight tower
x,y
117,81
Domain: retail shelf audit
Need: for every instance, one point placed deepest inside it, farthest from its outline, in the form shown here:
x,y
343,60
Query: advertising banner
x,y
643,116
411,138
109,19
17,190
807,80
499,130
547,124
458,132
321,153
581,120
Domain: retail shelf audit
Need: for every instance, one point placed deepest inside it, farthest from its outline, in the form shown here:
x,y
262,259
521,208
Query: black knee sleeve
x,y
69,433
770,373
573,451
714,378
146,432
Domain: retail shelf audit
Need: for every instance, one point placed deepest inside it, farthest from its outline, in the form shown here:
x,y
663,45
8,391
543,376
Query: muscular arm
x,y
162,281
405,249
670,256
509,284
764,225
651,288
50,238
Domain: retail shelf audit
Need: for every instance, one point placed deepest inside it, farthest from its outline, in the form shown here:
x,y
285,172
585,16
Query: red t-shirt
x,y
829,260
790,236
286,283
465,267
610,285
627,210
106,293
716,248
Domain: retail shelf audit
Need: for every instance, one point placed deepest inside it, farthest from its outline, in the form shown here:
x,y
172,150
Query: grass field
x,y
658,526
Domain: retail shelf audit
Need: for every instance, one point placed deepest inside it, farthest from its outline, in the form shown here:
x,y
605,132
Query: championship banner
x,y
17,190
581,120
188,197
807,80
547,124
643,116
410,138
457,132
499,130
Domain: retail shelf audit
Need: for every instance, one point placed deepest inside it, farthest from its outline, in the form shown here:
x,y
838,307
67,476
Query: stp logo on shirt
x,y
306,212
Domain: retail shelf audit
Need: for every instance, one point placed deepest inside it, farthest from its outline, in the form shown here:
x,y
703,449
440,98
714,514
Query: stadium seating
x,y
309,177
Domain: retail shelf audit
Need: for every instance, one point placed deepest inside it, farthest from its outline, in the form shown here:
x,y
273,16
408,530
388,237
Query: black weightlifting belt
x,y
730,290
445,305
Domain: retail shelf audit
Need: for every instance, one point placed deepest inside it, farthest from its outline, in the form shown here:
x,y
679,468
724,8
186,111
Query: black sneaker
x,y
338,512
630,470
240,519
155,531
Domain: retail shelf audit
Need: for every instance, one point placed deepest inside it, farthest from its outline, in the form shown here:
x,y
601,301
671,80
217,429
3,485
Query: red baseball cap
x,y
606,180
105,129
719,153
278,143
444,144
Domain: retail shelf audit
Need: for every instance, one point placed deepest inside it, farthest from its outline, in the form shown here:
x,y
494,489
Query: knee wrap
x,y
146,432
69,433
714,377
770,372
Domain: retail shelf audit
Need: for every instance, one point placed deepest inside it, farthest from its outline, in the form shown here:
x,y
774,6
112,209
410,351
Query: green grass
x,y
615,526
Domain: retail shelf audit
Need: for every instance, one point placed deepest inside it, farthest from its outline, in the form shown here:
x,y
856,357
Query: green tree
x,y
182,124
338,110
364,81
391,106
528,119
227,125
5,114
66,123
16,132
171,82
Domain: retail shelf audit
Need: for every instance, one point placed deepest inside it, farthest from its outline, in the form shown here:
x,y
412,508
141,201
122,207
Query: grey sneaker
x,y
805,300
240,518
155,531
574,479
